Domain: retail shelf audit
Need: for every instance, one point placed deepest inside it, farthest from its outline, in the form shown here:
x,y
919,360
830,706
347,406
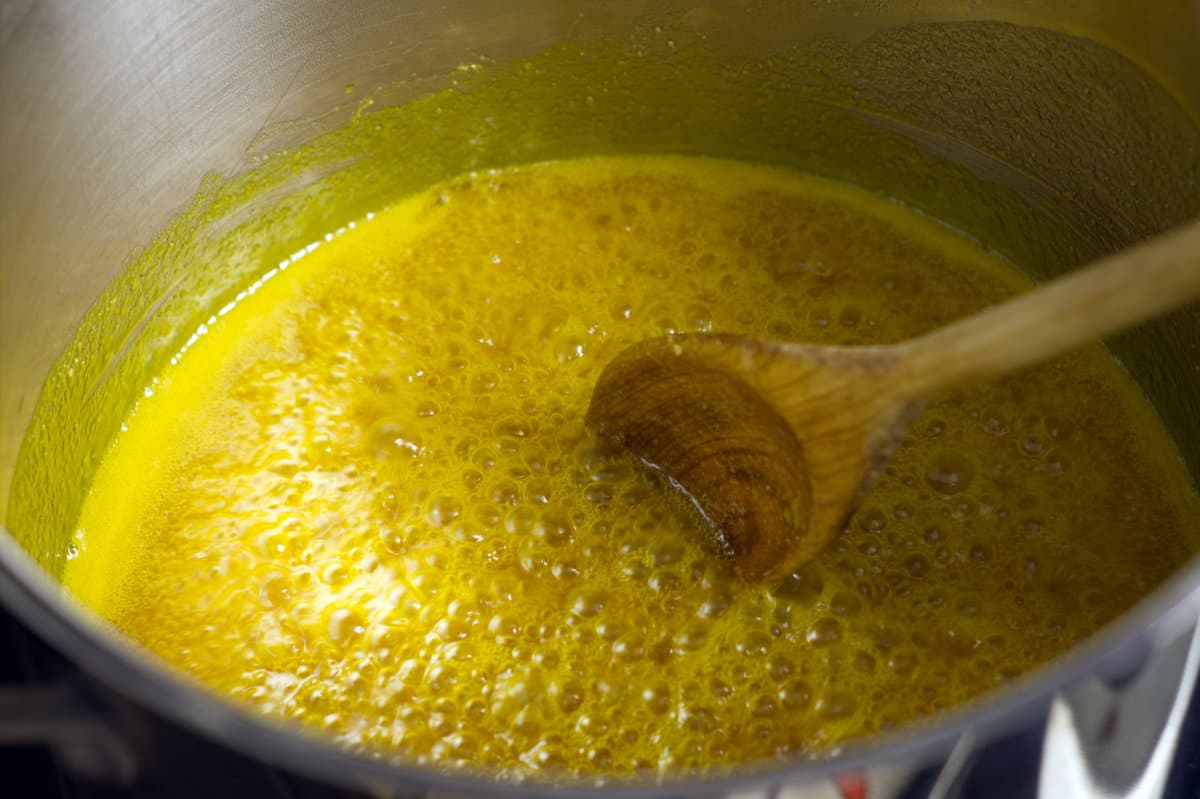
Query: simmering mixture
x,y
364,497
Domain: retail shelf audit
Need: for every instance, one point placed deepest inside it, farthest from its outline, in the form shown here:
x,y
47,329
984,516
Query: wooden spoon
x,y
776,442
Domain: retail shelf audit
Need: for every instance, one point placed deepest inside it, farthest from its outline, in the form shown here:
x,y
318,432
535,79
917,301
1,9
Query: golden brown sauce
x,y
364,499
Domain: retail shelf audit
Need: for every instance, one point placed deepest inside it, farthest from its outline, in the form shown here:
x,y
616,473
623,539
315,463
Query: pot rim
x,y
48,610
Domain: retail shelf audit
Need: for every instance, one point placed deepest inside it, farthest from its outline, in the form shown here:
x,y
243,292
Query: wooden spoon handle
x,y
1115,292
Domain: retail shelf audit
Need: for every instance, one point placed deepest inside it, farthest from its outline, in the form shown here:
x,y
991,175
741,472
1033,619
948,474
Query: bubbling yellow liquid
x,y
365,499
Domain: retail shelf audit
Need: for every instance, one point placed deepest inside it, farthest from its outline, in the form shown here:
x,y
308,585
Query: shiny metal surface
x,y
112,113
1119,741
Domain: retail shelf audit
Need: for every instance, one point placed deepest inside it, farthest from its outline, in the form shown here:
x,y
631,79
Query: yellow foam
x,y
365,499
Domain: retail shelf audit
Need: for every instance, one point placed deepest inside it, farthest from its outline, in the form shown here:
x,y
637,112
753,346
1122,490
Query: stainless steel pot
x,y
1051,131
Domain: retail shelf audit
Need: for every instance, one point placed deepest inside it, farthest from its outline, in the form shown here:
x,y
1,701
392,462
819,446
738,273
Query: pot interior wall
x,y
1041,143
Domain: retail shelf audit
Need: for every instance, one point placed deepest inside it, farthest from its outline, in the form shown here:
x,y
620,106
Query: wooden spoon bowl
x,y
776,443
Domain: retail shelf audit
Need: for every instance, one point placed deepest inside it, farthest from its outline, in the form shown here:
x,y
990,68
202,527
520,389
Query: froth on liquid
x,y
365,499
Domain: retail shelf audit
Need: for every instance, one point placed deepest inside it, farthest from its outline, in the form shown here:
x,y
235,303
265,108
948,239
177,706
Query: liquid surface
x,y
364,498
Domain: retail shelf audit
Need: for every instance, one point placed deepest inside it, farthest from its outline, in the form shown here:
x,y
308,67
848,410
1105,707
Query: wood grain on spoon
x,y
776,442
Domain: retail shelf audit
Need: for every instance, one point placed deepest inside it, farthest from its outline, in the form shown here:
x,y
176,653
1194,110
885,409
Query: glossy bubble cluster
x,y
391,524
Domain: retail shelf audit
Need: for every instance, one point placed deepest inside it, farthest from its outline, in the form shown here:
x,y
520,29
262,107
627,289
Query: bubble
x,y
566,570
486,514
664,582
554,529
516,428
538,491
521,520
569,349
780,668
968,606
844,603
593,726
276,591
754,644
588,603
657,698
393,438
599,492
950,473
1054,464
444,510
610,630
995,424
533,563
902,662
836,703
666,554
621,310
503,626
1057,428
335,574
699,318
344,626
714,606
720,688
635,571
636,496
450,630
483,459
764,707
917,565
780,329
691,638
505,492
802,587
484,383
285,542
824,631
955,643
545,758
629,647
872,520
571,697
600,758
697,718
